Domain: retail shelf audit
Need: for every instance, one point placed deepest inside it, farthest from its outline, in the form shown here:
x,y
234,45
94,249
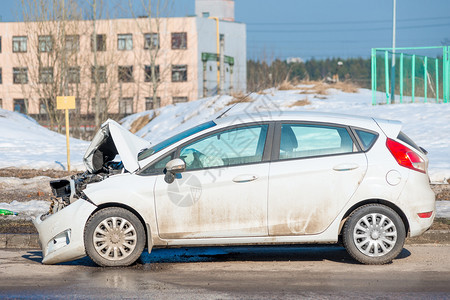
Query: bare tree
x,y
48,59
151,29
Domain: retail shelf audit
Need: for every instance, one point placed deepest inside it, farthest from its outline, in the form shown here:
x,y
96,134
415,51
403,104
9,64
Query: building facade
x,y
117,62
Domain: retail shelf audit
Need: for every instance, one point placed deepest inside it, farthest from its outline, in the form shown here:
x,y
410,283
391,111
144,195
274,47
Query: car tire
x,y
374,234
114,237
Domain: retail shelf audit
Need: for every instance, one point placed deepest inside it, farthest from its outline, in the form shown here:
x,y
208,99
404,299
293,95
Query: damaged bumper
x,y
61,234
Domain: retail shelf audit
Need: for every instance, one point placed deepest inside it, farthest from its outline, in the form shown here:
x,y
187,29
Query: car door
x,y
316,169
223,192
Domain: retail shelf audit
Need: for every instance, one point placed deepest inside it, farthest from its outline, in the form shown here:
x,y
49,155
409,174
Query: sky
x,y
319,28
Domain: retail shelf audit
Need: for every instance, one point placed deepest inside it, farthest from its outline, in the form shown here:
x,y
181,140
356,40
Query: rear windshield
x,y
404,138
172,140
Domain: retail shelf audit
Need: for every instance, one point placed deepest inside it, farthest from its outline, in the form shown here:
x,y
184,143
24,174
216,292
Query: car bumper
x,y
61,234
416,201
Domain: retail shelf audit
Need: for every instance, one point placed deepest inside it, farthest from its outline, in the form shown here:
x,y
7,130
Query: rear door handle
x,y
244,178
346,167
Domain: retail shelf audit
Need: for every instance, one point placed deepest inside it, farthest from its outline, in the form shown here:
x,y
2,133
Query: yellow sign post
x,y
66,102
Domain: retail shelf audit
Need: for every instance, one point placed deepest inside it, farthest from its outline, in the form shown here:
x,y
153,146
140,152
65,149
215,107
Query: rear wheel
x,y
114,237
374,234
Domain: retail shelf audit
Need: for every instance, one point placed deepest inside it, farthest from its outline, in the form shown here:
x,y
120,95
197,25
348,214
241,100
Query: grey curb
x,y
31,241
19,241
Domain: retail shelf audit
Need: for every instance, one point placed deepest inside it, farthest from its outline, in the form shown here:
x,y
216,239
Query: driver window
x,y
227,148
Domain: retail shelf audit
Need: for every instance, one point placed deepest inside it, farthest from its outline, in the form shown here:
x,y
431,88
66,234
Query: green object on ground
x,y
5,212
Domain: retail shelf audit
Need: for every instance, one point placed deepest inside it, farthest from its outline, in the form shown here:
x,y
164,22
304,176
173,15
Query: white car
x,y
268,178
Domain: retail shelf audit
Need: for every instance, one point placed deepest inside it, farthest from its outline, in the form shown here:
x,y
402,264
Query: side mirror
x,y
175,166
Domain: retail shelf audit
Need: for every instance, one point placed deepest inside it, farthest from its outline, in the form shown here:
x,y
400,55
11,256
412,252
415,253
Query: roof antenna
x,y
240,100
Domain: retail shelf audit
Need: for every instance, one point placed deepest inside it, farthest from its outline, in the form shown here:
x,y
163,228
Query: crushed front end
x,y
61,229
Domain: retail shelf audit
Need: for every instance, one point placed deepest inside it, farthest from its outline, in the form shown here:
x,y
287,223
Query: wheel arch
x,y
376,201
148,236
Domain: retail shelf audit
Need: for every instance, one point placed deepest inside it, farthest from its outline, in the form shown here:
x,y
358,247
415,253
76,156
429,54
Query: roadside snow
x,y
27,209
35,184
26,144
443,209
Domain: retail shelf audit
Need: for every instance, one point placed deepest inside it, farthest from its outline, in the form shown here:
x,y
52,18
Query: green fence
x,y
409,75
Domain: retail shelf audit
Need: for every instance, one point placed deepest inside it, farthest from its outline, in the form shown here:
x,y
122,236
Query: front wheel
x,y
374,234
114,237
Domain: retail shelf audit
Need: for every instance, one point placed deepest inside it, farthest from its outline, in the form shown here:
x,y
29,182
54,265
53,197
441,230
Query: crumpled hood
x,y
110,140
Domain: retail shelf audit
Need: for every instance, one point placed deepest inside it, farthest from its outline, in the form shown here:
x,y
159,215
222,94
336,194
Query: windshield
x,y
172,140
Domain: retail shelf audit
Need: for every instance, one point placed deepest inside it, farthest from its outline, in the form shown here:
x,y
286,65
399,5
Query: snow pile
x,y
428,124
35,184
26,144
27,209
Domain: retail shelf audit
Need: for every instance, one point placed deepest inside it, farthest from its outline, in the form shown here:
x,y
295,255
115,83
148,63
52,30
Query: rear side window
x,y
301,140
367,138
404,138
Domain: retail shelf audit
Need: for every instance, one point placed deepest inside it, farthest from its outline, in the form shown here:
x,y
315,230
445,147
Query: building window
x,y
1,104
102,105
101,43
179,40
98,74
126,106
73,75
151,41
19,43
72,43
1,76
179,99
125,73
20,106
44,106
20,75
148,73
45,75
45,43
0,44
179,73
150,104
125,41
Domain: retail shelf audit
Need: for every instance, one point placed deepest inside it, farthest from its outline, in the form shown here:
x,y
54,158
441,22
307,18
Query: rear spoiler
x,y
389,127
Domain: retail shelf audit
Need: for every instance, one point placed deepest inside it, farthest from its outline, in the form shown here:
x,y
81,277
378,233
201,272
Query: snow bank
x,y
27,209
26,144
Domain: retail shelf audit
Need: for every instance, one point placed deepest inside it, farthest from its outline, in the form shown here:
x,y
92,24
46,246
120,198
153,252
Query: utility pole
x,y
393,55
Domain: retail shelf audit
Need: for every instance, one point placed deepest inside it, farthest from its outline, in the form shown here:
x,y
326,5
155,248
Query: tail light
x,y
406,157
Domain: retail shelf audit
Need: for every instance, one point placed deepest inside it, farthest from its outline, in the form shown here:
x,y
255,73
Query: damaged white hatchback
x,y
268,178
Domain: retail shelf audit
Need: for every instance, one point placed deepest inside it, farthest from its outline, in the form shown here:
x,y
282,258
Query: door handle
x,y
244,178
346,167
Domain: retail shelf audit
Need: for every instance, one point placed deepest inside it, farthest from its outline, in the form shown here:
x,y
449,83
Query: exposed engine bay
x,y
99,160
113,150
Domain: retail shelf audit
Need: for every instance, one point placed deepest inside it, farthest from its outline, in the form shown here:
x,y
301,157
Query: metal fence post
x,y
386,75
436,62
401,77
413,75
425,82
374,75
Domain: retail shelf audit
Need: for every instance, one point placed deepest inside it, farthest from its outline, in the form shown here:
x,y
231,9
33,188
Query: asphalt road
x,y
421,271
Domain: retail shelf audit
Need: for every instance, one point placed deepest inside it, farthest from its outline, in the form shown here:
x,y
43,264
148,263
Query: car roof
x,y
322,117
